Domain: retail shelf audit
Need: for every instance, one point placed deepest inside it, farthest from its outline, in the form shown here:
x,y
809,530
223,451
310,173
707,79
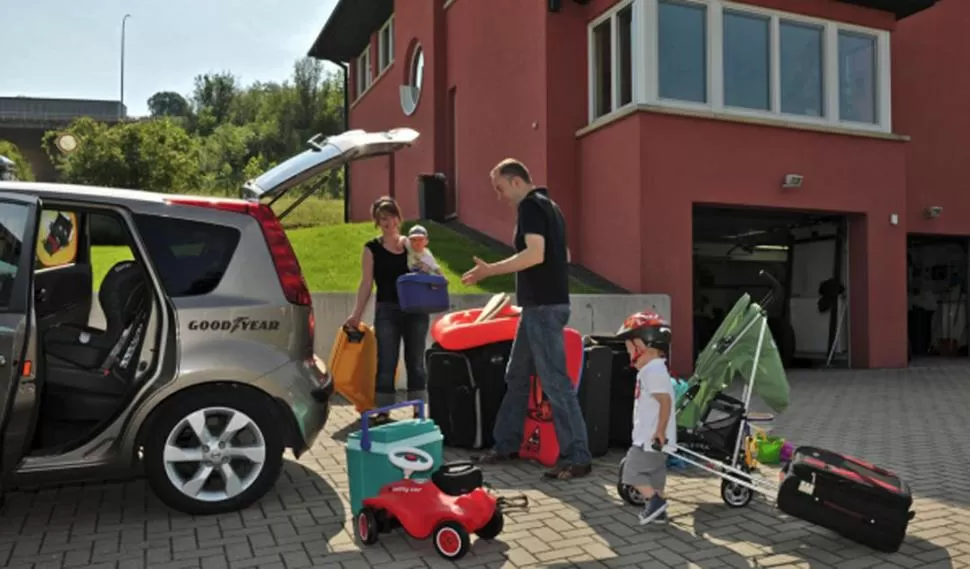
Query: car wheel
x,y
213,451
367,529
451,541
493,527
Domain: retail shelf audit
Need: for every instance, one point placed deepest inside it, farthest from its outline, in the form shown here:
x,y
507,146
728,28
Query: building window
x,y
747,61
385,45
735,59
857,77
801,54
682,38
364,71
411,92
611,60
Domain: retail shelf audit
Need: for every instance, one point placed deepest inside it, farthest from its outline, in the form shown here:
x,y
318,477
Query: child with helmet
x,y
647,337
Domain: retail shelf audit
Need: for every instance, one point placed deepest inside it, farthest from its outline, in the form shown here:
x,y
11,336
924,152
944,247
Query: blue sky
x,y
72,49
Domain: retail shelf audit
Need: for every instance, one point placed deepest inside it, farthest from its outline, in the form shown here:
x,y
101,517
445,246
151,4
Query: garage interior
x,y
806,252
937,269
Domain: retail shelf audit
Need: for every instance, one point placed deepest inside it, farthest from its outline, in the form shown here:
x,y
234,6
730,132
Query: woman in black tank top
x,y
383,260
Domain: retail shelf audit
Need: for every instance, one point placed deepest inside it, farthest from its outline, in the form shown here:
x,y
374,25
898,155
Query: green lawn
x,y
330,253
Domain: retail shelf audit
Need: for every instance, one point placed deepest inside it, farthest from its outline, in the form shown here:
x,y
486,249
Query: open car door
x,y
19,216
324,153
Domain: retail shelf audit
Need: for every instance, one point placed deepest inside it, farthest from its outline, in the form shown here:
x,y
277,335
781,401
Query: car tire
x,y
219,403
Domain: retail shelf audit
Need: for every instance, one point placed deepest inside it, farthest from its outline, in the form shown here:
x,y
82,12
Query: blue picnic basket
x,y
419,293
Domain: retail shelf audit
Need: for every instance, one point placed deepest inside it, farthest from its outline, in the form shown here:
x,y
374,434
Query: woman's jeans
x,y
391,325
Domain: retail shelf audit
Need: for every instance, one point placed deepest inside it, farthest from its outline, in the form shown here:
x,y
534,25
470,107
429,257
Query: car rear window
x,y
190,256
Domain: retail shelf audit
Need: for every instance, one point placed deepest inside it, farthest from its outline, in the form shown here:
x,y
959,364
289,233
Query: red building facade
x,y
635,113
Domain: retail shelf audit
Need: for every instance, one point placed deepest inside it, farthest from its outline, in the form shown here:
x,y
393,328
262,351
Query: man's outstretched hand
x,y
477,273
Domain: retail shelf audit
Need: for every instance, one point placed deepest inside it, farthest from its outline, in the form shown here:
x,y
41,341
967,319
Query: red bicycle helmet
x,y
649,327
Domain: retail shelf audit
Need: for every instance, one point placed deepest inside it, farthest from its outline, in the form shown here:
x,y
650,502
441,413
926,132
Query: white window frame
x,y
613,15
646,68
389,28
364,70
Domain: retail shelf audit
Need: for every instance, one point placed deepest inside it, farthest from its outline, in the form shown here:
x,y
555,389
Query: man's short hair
x,y
512,168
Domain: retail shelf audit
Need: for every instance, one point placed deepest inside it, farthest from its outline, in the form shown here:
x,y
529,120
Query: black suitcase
x,y
488,363
862,502
465,390
594,397
622,386
454,399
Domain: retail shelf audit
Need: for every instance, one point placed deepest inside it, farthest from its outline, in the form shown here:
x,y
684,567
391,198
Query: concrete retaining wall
x,y
591,314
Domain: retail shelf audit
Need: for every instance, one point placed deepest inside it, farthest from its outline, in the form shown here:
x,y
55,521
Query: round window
x,y
411,92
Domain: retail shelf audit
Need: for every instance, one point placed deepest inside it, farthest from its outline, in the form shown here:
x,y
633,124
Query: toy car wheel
x,y
628,493
451,541
493,527
366,527
736,495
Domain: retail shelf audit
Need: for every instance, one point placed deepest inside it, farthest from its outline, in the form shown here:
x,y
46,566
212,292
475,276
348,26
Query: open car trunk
x,y
323,154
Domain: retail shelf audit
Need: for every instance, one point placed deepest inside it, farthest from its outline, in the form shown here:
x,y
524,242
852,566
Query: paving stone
x,y
911,421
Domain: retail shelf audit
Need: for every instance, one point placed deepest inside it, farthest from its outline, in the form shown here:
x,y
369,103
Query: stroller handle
x,y
770,295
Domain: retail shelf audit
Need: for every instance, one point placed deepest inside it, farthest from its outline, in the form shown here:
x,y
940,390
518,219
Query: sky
x,y
71,49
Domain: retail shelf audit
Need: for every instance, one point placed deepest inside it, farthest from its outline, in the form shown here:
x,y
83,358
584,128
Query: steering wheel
x,y
410,460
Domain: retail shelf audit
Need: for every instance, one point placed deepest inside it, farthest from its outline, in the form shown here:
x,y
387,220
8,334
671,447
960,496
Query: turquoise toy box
x,y
371,451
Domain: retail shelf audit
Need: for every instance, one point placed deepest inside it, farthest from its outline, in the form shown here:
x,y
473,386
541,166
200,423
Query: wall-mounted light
x,y
933,211
893,219
792,181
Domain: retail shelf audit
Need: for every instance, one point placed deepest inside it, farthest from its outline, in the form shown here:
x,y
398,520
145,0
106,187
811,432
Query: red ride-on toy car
x,y
448,508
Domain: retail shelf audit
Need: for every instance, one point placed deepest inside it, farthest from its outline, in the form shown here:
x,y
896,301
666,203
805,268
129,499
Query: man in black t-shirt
x,y
540,264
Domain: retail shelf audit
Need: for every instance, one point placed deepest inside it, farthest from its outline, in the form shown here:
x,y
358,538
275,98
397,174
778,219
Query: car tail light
x,y
284,259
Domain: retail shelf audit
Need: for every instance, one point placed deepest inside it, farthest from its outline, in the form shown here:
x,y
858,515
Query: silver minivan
x,y
195,367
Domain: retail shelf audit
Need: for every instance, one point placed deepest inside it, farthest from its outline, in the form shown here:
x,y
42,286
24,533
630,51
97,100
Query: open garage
x,y
937,268
806,253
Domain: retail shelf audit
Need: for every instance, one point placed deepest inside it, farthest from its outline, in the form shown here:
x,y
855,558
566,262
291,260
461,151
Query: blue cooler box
x,y
419,293
368,467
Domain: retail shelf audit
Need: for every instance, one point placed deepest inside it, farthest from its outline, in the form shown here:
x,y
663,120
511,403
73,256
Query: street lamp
x,y
121,110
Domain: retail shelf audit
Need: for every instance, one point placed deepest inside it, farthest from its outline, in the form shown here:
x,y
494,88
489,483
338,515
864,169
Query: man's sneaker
x,y
654,511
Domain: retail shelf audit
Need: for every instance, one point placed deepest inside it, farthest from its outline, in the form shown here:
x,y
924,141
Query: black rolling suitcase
x,y
454,399
862,502
594,397
623,381
465,390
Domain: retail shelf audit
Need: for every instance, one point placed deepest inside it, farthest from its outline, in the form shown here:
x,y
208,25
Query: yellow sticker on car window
x,y
57,238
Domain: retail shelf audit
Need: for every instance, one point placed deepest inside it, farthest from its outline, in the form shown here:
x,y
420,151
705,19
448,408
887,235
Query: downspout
x,y
346,69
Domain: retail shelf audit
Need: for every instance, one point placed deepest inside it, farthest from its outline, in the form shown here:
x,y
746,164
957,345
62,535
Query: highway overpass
x,y
24,120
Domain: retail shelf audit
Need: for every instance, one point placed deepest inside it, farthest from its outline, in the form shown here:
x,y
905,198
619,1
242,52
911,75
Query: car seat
x,y
458,478
87,371
122,293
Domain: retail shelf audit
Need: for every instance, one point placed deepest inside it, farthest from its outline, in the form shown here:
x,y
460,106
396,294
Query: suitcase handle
x,y
353,334
365,442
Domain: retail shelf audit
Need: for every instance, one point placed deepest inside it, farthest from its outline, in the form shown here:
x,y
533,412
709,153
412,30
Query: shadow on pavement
x,y
117,522
763,526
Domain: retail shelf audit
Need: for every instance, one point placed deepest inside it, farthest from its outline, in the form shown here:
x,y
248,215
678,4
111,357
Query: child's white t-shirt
x,y
424,256
653,378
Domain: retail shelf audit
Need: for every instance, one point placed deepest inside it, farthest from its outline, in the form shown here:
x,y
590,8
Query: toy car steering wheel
x,y
410,460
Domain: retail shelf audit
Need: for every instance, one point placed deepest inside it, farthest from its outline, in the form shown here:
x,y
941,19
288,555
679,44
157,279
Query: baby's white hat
x,y
418,231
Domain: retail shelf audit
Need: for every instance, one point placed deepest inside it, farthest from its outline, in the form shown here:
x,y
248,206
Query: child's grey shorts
x,y
645,468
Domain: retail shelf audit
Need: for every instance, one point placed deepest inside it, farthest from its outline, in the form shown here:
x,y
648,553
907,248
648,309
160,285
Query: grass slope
x,y
329,251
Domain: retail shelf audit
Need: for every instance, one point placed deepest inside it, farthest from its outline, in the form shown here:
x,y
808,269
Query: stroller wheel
x,y
736,495
628,493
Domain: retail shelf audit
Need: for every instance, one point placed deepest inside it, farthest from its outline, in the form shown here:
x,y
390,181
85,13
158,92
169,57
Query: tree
x,y
168,104
212,100
154,155
12,151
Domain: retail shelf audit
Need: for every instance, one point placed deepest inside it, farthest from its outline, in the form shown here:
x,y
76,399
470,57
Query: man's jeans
x,y
538,350
391,325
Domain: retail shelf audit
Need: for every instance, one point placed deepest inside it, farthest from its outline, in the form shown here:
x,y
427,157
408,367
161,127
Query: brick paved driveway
x,y
912,420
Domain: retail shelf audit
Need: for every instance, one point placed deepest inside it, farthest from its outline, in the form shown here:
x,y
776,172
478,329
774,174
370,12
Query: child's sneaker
x,y
654,511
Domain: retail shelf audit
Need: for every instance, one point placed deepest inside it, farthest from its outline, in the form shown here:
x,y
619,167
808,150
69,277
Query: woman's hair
x,y
385,205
